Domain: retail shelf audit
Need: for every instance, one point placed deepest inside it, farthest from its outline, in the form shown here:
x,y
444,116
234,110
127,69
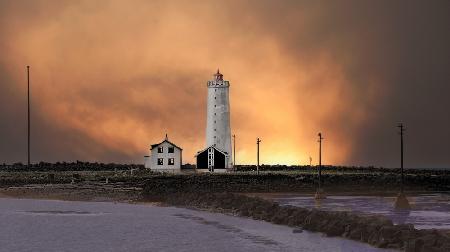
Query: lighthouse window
x,y
215,98
160,149
171,150
214,113
171,161
214,129
160,161
215,106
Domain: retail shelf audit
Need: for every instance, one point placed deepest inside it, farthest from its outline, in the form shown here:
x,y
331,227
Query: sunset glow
x,y
122,75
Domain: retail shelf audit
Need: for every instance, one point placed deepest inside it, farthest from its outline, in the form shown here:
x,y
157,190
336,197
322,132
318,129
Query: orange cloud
x,y
125,73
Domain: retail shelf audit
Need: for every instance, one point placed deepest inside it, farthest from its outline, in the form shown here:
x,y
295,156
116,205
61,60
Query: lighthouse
x,y
217,154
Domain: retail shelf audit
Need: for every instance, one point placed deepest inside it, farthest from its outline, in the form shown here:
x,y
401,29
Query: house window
x,y
171,149
160,149
171,161
160,161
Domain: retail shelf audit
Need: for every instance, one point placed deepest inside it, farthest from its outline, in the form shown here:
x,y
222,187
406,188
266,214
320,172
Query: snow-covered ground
x,y
431,210
50,225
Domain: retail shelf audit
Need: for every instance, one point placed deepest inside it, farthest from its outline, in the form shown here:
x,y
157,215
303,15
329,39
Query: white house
x,y
164,156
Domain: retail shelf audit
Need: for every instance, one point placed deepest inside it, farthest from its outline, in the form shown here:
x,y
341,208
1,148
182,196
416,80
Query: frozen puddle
x,y
61,213
48,225
227,228
428,210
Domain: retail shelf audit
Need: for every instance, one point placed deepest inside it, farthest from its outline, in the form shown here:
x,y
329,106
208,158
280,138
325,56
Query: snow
x,y
50,225
431,210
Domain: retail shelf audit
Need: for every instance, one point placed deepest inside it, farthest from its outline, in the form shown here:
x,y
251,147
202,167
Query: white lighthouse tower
x,y
218,132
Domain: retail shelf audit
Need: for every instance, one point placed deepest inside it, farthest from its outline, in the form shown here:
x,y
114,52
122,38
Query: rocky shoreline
x,y
374,230
224,193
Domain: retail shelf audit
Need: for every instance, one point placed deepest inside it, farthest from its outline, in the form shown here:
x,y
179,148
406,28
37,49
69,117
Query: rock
x,y
445,246
388,231
426,248
402,203
397,244
297,217
388,236
429,240
335,230
280,216
374,238
297,230
356,233
415,245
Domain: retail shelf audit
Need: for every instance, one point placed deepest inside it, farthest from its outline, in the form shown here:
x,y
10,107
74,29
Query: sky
x,y
109,78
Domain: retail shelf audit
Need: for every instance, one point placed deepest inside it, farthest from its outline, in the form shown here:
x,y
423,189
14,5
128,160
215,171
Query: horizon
x,y
104,87
238,165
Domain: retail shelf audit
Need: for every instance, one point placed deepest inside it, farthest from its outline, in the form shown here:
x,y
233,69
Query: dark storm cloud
x,y
398,47
118,75
48,140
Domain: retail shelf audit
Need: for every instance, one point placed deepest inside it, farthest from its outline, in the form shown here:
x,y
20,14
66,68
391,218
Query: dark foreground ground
x,y
231,194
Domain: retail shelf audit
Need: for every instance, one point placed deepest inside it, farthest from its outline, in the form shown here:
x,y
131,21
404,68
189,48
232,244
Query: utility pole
x,y
319,193
401,203
320,159
257,155
28,80
234,151
402,129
